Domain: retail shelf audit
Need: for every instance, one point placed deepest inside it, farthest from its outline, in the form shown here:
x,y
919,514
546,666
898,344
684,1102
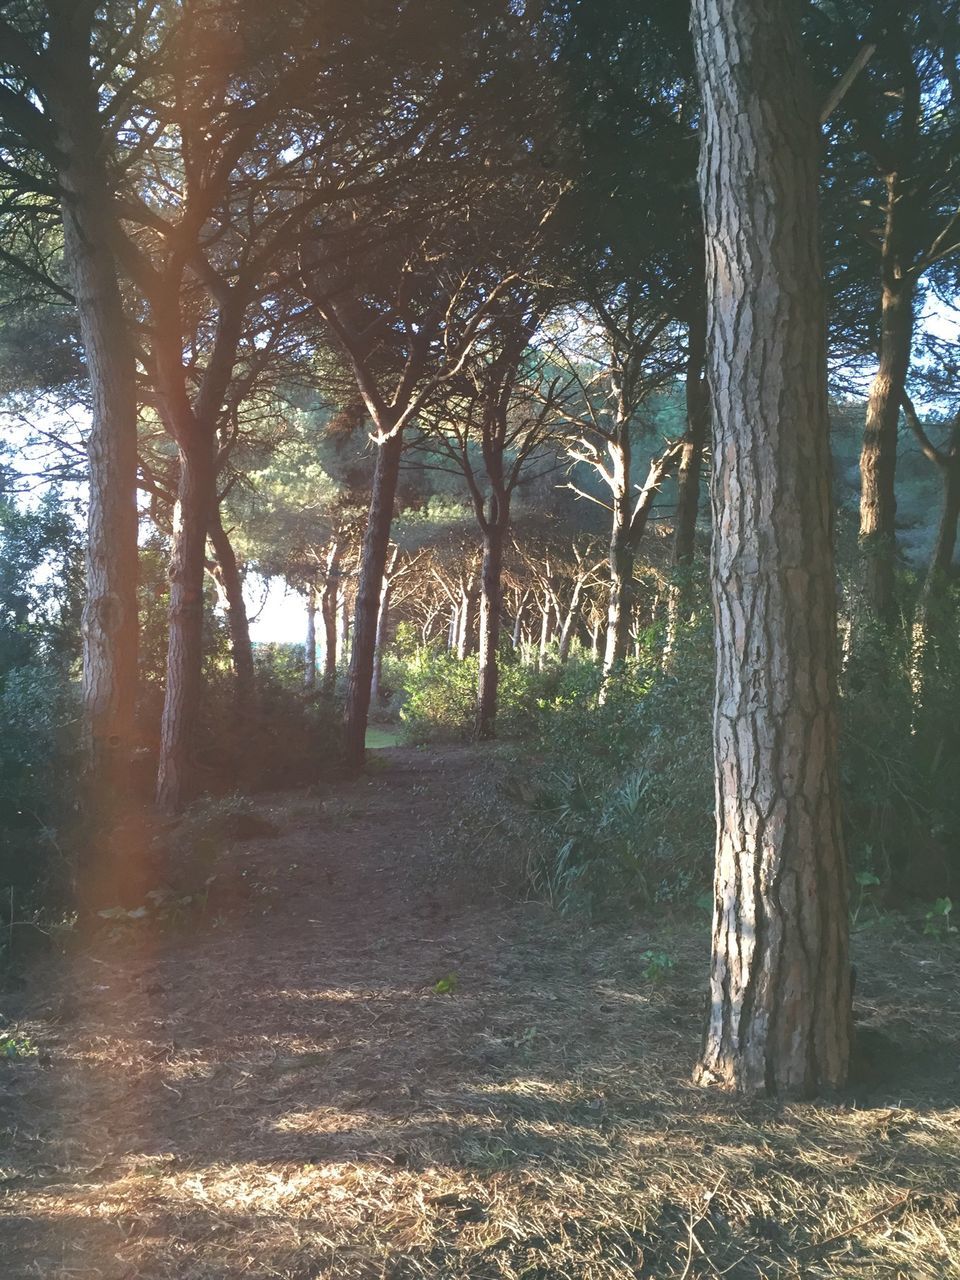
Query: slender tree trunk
x,y
328,612
570,621
383,619
595,640
945,543
621,556
373,561
230,584
491,604
878,457
110,599
546,630
779,1017
454,628
695,437
621,591
310,645
680,591
195,500
467,616
343,625
935,619
518,620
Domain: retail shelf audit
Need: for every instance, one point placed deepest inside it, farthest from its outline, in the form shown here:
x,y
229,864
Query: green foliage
x,y
900,755
440,696
657,964
15,1046
937,921
608,805
622,789
40,582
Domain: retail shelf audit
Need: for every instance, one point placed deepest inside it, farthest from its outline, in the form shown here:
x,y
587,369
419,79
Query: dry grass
x,y
286,1095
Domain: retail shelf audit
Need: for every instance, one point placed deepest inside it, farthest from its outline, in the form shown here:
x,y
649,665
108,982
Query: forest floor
x,y
345,1067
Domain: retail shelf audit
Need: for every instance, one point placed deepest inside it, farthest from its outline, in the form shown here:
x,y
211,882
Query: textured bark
x,y
373,560
878,456
230,586
195,500
779,1017
491,605
328,611
110,600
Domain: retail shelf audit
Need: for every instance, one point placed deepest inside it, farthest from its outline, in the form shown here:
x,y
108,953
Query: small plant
x,y
865,881
447,985
938,920
656,964
16,1046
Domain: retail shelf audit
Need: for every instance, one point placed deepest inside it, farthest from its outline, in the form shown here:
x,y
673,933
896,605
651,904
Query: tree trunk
x,y
343,625
518,620
621,592
373,561
779,1018
454,628
383,619
230,584
310,644
110,600
546,631
195,499
570,621
691,457
328,612
467,616
941,561
491,603
878,457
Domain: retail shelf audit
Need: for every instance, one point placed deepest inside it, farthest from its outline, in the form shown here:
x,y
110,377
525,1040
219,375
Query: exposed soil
x,y
335,1067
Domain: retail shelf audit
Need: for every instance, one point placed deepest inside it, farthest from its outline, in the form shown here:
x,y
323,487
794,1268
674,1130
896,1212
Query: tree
x,y
779,1017
628,349
898,124
495,427
411,280
55,110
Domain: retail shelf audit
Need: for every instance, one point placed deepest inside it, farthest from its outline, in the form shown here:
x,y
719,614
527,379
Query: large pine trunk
x,y
779,1014
878,456
195,501
373,561
110,599
491,606
230,584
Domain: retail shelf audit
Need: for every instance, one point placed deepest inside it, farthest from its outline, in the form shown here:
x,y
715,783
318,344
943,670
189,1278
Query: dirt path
x,y
279,1089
